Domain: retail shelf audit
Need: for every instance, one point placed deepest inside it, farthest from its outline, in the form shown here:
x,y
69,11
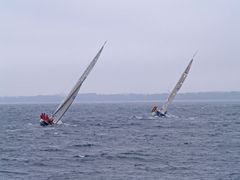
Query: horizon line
x,y
130,93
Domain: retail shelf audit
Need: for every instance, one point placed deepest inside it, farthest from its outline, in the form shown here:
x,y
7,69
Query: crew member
x,y
157,112
44,117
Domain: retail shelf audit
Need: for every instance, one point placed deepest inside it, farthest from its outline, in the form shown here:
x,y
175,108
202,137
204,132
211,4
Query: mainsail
x,y
63,107
177,87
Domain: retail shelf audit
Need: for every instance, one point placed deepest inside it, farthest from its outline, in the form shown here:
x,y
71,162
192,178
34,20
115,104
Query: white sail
x,y
177,87
63,107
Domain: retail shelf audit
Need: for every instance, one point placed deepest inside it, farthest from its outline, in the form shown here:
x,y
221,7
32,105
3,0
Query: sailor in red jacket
x,y
44,118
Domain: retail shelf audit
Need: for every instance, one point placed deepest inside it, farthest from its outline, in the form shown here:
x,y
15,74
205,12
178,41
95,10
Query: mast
x,y
177,87
63,107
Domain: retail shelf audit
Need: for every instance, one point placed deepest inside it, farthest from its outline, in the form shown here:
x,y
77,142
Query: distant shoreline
x,y
131,97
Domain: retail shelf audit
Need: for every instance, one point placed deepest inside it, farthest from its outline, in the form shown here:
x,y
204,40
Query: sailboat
x,y
163,111
64,106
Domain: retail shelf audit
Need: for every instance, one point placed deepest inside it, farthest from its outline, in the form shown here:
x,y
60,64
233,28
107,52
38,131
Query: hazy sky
x,y
45,45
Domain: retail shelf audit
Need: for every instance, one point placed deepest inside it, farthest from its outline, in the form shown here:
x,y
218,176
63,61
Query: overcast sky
x,y
45,45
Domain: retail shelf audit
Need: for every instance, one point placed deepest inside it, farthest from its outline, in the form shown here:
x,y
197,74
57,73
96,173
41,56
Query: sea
x,y
198,140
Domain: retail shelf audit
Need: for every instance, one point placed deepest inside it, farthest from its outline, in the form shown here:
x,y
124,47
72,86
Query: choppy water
x,y
122,141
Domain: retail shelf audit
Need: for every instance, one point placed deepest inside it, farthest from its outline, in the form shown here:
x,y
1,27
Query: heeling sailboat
x,y
163,110
63,107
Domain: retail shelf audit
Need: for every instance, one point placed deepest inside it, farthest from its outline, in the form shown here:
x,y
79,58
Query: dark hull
x,y
160,114
43,123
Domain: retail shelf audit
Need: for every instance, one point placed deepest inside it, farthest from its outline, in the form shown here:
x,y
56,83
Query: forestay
x,y
63,107
177,87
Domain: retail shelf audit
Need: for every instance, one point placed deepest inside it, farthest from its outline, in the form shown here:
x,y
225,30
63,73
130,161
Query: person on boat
x,y
157,112
41,116
45,120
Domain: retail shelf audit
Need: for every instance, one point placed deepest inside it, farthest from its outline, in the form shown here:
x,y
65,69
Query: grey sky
x,y
46,45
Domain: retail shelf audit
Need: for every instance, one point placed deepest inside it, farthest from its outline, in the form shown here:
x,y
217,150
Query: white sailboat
x,y
163,110
63,107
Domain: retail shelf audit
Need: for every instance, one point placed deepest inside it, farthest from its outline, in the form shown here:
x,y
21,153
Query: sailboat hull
x,y
43,123
159,114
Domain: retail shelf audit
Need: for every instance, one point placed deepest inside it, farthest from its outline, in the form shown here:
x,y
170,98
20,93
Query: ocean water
x,y
199,140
